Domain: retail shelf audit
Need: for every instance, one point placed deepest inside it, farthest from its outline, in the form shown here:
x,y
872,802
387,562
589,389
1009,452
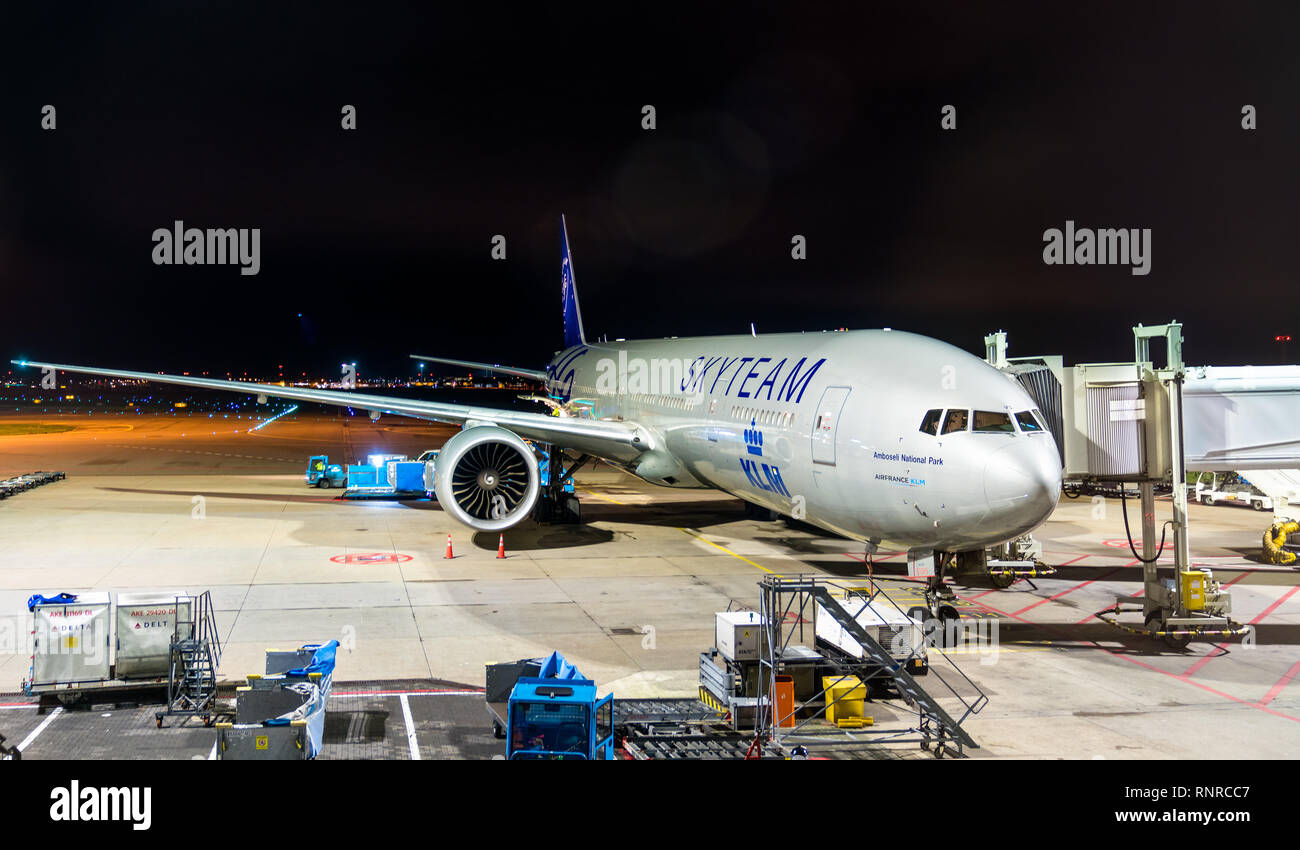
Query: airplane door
x,y
826,423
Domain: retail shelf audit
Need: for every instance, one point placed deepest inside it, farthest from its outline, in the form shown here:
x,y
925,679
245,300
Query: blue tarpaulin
x,y
57,599
556,667
313,709
322,662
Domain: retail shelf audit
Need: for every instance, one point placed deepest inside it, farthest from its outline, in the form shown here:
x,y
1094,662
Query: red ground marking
x,y
1091,616
371,558
1063,564
877,558
1121,543
1281,683
1075,587
1270,609
1205,659
1258,705
1239,577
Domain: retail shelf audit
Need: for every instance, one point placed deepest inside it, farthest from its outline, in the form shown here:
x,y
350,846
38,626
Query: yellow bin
x,y
850,692
1194,590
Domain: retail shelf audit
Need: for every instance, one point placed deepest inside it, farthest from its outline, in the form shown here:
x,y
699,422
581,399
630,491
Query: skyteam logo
x,y
560,374
761,475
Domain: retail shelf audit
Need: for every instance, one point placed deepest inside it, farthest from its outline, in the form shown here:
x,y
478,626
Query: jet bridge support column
x,y
1187,608
1150,570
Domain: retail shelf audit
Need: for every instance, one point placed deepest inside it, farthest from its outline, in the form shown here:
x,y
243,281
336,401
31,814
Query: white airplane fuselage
x,y
827,427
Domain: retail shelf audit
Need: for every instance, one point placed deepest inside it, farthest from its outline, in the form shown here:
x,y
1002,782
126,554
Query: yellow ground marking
x,y
731,553
602,498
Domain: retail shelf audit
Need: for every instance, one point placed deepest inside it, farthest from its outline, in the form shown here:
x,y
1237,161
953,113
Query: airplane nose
x,y
1022,482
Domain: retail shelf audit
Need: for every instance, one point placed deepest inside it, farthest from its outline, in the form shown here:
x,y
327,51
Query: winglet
x,y
573,334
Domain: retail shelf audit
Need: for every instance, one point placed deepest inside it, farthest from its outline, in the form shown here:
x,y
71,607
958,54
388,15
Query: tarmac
x,y
187,502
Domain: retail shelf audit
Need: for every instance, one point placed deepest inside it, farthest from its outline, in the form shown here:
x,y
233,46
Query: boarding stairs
x,y
195,657
936,726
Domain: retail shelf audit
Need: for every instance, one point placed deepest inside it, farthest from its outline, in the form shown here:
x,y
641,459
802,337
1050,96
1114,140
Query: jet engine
x,y
487,478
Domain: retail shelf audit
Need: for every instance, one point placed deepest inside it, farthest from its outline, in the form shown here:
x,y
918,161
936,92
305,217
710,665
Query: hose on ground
x,y
1275,543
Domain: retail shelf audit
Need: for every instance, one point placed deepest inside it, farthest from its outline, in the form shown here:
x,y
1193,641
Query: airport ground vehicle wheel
x,y
323,483
1002,580
948,618
1257,505
1155,623
1208,500
925,617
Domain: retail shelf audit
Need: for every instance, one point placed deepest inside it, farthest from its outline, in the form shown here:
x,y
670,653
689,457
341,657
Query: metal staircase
x,y
936,726
933,717
195,656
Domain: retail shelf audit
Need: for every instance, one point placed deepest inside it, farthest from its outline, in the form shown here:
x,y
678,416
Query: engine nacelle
x,y
487,478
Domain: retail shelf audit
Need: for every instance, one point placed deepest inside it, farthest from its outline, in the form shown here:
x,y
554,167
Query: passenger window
x,y
955,421
930,424
992,421
1028,423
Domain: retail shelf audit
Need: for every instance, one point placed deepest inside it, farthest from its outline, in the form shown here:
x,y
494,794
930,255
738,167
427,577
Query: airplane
x,y
873,435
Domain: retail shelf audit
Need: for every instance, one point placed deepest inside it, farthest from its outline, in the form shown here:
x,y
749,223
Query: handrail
x,y
979,702
819,592
201,621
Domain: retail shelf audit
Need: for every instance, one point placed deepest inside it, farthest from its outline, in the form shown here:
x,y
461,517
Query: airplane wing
x,y
602,438
487,367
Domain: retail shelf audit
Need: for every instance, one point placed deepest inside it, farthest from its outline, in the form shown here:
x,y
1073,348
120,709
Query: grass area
x,y
12,429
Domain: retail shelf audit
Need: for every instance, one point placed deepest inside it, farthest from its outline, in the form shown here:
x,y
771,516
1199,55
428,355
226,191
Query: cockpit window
x,y
992,421
955,421
1028,423
930,424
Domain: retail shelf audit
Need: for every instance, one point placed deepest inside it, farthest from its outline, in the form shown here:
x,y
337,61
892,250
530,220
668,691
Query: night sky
x,y
772,121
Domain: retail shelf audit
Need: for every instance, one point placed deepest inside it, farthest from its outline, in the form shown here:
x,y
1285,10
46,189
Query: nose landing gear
x,y
940,619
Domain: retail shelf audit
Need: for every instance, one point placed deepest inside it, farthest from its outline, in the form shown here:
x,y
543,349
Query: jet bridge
x,y
1124,423
1129,422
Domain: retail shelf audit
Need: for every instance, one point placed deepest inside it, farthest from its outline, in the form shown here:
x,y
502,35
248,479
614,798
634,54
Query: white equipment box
x,y
900,635
145,622
71,640
736,635
920,564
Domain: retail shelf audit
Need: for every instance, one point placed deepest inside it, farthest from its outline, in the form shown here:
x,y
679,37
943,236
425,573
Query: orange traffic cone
x,y
449,556
501,546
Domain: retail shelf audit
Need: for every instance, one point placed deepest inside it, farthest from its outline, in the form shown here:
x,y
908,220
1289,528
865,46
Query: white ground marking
x,y
27,742
410,729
